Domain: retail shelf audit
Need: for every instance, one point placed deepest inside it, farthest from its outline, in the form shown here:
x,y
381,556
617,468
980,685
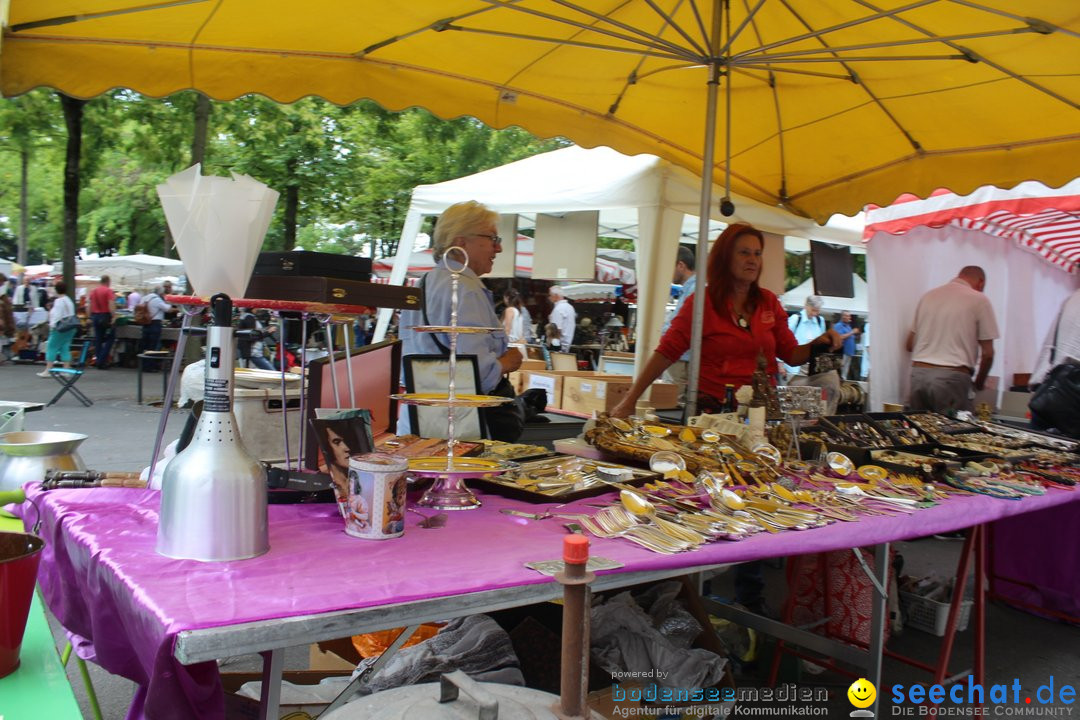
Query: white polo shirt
x,y
949,323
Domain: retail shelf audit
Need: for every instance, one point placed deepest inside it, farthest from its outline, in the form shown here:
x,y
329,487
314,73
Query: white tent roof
x,y
576,179
130,270
642,196
795,298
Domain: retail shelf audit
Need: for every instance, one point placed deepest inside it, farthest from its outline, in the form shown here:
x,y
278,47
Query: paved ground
x,y
120,437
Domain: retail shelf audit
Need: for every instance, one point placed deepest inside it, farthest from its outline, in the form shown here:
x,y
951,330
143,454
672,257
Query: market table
x,y
160,621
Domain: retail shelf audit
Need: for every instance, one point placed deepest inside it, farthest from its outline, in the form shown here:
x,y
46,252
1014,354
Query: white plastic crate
x,y
259,421
932,616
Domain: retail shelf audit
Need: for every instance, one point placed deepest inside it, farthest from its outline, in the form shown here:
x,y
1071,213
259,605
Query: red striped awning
x,y
1044,220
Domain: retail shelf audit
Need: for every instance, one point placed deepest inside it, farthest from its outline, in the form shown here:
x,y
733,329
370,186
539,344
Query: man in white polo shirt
x,y
954,328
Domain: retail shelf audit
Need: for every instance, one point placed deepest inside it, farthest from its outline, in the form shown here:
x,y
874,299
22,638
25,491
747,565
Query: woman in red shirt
x,y
742,320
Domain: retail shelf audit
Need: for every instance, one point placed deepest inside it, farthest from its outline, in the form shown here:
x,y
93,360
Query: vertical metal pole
x,y
879,616
703,215
303,389
328,330
575,579
285,410
980,603
166,404
348,361
270,699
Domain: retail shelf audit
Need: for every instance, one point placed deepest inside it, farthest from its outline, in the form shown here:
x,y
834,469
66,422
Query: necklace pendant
x,y
743,322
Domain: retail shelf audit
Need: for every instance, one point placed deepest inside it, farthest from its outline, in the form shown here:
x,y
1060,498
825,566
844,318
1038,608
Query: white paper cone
x,y
218,225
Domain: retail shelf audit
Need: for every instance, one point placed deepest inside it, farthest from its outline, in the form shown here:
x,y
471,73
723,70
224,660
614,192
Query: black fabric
x,y
505,422
1056,403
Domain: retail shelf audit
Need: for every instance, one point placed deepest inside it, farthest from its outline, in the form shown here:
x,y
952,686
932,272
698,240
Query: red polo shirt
x,y
102,299
728,352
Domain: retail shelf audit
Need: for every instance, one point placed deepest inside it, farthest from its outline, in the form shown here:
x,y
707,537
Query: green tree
x,y
29,127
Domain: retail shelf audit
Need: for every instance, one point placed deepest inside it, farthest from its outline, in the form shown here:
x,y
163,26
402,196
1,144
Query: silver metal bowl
x,y
27,454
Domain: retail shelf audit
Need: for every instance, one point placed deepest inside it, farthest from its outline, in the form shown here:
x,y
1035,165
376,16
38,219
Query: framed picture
x,y
375,376
431,374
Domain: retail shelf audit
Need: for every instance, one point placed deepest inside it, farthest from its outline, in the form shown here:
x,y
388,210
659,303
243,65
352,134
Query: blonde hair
x,y
458,220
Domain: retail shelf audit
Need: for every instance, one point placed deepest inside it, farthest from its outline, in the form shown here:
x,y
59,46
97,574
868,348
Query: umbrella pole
x,y
702,241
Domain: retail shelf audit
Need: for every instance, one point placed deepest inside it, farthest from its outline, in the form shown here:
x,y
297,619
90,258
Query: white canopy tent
x,y
796,298
127,270
643,197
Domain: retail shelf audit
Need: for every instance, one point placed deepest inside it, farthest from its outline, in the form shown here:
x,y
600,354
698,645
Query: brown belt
x,y
958,368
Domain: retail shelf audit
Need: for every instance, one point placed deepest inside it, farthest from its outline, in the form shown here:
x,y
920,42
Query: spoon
x,y
430,521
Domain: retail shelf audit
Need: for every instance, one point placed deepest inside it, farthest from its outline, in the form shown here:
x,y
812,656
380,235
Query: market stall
x,y
1026,239
643,196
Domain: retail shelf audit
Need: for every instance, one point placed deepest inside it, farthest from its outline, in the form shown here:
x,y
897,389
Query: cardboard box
x,y
662,395
517,381
538,365
594,393
550,380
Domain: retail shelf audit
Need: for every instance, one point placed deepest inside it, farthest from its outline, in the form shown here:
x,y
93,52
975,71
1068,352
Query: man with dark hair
x,y
685,276
954,327
102,307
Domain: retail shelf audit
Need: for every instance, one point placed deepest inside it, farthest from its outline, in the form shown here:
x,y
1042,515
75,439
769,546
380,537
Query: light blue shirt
x,y
687,291
476,308
805,329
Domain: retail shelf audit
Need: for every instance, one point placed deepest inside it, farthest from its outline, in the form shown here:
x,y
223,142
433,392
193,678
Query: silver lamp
x,y
213,494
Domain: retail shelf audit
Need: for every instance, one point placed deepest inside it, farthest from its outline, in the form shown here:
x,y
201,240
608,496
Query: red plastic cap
x,y
575,549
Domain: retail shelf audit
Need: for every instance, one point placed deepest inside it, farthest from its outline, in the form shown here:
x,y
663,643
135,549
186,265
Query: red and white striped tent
x,y
1038,218
1027,239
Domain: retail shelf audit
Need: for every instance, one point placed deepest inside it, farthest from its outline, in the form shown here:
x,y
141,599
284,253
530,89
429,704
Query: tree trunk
x,y
193,351
292,203
24,204
202,128
73,113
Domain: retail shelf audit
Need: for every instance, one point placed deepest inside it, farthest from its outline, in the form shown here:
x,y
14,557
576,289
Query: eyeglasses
x,y
495,239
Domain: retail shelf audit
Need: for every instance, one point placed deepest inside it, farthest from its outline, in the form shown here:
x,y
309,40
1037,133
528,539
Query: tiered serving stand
x,y
448,490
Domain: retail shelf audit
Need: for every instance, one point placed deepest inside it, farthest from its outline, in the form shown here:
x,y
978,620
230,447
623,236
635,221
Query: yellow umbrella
x,y
833,103
825,104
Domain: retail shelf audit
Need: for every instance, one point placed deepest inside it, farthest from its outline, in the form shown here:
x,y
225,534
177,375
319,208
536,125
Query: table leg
x,y
270,699
879,616
384,658
945,655
980,604
138,382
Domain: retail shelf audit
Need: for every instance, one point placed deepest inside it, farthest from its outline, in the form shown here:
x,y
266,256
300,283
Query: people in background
x,y
685,276
28,297
249,347
513,320
58,346
471,227
806,325
133,298
151,333
742,321
563,316
102,307
7,322
1062,342
954,330
848,333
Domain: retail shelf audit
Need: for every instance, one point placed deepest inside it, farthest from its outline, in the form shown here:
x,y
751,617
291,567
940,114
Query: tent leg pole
x,y
702,243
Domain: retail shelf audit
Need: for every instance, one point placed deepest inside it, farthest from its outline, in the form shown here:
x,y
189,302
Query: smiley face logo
x,y
862,693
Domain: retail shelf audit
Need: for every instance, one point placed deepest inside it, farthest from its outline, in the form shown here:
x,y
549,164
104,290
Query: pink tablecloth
x,y
103,580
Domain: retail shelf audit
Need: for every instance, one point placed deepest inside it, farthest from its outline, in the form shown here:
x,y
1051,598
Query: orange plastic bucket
x,y
19,557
